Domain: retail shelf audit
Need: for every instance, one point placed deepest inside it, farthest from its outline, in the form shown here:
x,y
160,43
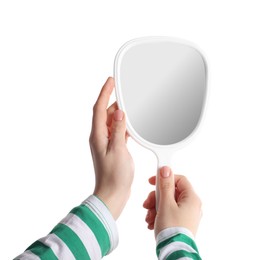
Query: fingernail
x,y
118,115
165,172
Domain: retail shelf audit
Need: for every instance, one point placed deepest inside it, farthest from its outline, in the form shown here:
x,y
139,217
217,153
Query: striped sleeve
x,y
87,232
176,243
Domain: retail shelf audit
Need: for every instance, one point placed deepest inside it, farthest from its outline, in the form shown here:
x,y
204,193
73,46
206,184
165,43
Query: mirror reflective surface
x,y
161,85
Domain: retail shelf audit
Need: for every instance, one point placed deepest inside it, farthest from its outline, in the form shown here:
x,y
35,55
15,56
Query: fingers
x,y
185,194
152,180
182,183
166,183
166,190
104,95
150,218
118,130
108,125
151,226
149,203
178,203
100,108
110,113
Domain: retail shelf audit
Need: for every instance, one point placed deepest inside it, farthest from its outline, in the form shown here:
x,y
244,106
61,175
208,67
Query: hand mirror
x,y
161,86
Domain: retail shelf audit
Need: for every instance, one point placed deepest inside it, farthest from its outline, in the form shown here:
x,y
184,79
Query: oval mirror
x,y
161,87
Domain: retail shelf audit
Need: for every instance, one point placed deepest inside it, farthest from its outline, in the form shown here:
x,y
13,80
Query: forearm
x,y
87,232
176,243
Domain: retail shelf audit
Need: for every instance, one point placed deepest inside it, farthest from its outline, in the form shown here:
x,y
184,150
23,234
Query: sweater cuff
x,y
173,231
175,243
105,216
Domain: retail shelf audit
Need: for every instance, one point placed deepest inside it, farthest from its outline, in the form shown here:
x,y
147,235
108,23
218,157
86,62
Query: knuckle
x,y
166,186
96,107
117,148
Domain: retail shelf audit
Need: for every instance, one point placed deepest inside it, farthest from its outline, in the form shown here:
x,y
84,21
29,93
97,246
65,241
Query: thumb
x,y
166,187
118,131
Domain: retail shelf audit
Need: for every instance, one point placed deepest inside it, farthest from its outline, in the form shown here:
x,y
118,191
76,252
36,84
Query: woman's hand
x,y
179,205
113,164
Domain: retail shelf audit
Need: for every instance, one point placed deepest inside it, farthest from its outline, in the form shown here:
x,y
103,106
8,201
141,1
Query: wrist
x,y
115,202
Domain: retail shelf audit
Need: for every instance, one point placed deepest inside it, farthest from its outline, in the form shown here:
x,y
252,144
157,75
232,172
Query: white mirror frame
x,y
163,153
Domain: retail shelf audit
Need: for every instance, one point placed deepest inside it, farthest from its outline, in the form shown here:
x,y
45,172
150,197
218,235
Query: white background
x,y
54,58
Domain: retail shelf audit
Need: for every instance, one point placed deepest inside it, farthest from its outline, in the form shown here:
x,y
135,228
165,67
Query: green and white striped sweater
x,y
89,232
